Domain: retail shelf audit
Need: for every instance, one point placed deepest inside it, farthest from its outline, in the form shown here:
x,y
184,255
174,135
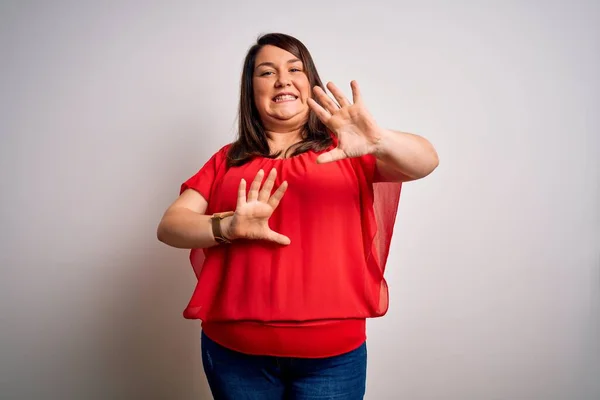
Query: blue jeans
x,y
237,376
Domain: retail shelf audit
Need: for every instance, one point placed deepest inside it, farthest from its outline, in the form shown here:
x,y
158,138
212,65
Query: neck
x,y
282,140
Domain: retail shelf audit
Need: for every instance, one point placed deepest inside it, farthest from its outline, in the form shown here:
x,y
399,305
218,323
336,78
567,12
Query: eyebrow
x,y
270,64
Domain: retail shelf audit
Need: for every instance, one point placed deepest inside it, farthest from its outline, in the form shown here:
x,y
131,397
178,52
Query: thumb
x,y
278,238
330,156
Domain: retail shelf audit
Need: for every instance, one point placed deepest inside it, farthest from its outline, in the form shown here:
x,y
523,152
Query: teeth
x,y
285,97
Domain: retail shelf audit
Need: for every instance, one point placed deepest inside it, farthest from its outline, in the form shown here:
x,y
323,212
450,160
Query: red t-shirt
x,y
309,298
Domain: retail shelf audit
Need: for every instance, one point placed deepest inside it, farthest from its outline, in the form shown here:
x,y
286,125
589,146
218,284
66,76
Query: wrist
x,y
226,228
381,145
218,226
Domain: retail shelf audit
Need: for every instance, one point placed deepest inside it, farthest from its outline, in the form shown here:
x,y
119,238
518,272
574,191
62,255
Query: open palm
x,y
252,213
355,128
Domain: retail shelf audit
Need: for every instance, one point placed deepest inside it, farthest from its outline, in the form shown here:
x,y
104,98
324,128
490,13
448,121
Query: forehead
x,y
274,54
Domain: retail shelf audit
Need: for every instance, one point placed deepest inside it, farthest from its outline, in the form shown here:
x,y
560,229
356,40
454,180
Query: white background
x,y
106,107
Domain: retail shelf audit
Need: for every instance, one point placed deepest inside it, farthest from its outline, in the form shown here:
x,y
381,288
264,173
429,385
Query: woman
x,y
290,267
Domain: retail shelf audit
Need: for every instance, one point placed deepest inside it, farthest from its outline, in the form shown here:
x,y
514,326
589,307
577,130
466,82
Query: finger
x,y
330,156
327,101
276,198
321,113
278,238
253,193
241,199
265,192
356,96
337,93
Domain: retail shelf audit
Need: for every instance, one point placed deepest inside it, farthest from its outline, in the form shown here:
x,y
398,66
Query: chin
x,y
284,116
290,113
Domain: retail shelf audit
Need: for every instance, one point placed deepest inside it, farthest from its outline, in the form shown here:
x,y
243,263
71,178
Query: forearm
x,y
186,229
405,155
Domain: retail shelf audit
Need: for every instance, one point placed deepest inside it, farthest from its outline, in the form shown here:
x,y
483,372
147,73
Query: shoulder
x,y
220,156
222,152
366,164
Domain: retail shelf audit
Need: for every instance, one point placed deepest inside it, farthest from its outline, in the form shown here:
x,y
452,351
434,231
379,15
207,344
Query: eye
x,y
295,70
266,73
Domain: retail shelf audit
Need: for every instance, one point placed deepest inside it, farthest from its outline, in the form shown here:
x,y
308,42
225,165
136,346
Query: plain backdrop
x,y
106,107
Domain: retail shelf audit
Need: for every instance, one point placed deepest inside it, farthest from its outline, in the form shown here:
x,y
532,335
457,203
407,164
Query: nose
x,y
283,80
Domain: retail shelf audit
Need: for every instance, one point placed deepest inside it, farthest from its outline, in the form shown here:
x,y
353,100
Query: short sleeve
x,y
366,166
379,204
202,181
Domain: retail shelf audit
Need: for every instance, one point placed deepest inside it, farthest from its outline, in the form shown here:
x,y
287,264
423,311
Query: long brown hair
x,y
252,138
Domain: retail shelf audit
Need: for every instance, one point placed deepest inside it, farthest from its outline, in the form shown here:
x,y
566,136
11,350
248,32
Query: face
x,y
281,89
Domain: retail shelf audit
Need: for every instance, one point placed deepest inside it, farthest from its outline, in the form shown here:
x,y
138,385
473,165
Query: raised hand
x,y
251,217
357,131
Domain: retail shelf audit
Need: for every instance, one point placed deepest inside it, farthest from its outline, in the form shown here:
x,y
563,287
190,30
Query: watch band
x,y
216,226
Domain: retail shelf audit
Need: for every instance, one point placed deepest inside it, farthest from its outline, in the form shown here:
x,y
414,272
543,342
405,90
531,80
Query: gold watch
x,y
216,226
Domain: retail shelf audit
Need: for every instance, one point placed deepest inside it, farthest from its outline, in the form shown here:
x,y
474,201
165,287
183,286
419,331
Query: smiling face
x,y
281,89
